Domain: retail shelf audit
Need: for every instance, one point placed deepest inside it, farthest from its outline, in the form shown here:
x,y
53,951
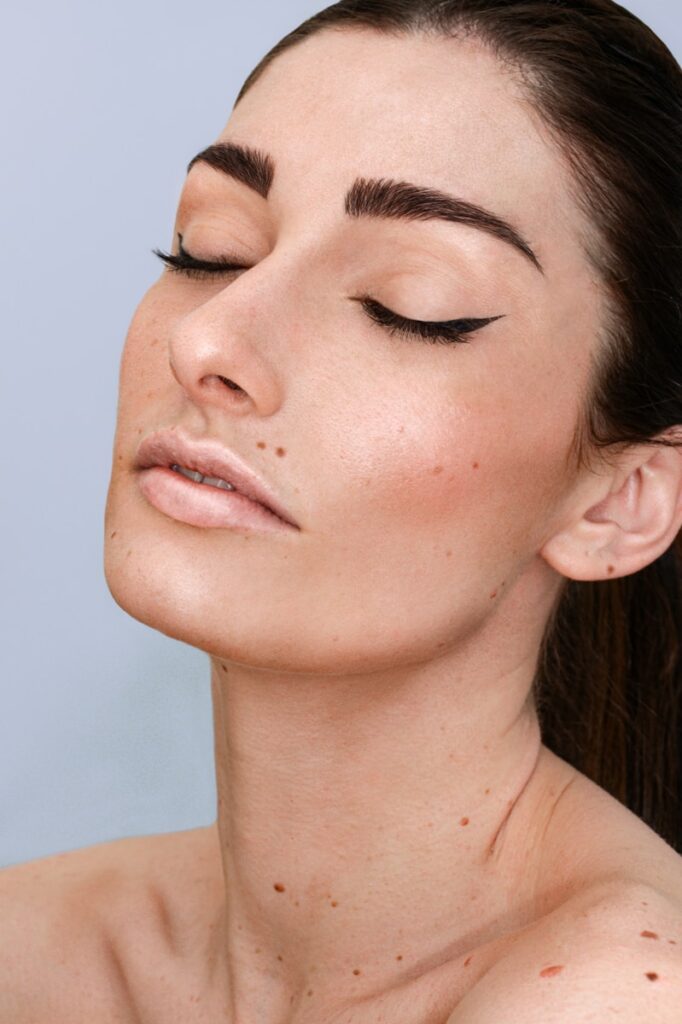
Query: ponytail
x,y
608,688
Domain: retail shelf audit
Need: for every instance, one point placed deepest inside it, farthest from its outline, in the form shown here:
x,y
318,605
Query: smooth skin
x,y
393,841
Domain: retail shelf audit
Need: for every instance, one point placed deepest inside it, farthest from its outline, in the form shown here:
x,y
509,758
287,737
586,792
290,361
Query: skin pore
x,y
382,786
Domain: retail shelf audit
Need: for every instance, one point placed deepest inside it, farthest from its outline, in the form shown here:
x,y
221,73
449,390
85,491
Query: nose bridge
x,y
235,340
279,285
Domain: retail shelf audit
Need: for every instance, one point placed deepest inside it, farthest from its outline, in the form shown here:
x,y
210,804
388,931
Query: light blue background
x,y
105,728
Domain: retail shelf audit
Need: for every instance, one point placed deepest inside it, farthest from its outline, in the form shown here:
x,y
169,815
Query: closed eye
x,y
190,266
438,331
434,331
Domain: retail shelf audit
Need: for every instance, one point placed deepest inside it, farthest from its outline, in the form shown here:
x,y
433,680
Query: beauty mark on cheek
x,y
549,972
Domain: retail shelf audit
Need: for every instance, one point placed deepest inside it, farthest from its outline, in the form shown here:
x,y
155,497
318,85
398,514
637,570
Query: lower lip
x,y
204,505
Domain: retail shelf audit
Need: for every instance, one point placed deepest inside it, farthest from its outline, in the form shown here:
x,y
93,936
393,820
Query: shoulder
x,y
614,950
66,918
49,934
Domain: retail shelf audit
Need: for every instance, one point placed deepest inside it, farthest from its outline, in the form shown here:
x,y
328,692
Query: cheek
x,y
469,474
144,368
143,346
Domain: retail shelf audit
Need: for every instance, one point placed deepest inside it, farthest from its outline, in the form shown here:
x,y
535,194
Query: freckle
x,y
279,957
356,971
223,666
645,904
648,935
610,569
310,991
494,594
448,554
334,903
429,824
399,957
487,791
672,942
279,887
464,821
280,451
295,903
261,444
468,961
548,972
437,470
475,465
113,534
257,949
149,394
129,553
139,430
120,458
652,976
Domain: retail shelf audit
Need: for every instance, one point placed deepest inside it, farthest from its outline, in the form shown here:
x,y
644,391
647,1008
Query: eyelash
x,y
444,332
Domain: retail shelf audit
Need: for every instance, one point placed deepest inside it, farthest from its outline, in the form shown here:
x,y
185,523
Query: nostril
x,y
230,383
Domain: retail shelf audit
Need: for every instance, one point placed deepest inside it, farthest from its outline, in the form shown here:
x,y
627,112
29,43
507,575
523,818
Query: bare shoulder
x,y
63,915
614,950
605,939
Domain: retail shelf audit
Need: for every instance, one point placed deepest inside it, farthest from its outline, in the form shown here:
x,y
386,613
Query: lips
x,y
210,458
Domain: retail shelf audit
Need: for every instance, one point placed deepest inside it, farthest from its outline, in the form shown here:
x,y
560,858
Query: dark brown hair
x,y
608,684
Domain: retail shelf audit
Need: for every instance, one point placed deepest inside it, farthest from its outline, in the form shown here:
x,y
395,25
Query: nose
x,y
217,356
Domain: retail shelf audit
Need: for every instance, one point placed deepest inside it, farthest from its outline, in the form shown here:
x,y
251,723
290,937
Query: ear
x,y
628,528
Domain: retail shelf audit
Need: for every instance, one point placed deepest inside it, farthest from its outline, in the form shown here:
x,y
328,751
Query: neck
x,y
365,822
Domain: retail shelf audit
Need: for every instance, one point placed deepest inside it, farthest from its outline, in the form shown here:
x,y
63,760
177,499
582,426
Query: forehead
x,y
438,112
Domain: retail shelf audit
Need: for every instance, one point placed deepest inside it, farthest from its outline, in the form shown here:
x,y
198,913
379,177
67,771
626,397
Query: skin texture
x,y
385,804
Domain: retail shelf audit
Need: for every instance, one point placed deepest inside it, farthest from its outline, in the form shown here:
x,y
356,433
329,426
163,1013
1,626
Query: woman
x,y
397,446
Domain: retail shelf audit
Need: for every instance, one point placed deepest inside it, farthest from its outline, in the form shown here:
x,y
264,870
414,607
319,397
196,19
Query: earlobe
x,y
630,527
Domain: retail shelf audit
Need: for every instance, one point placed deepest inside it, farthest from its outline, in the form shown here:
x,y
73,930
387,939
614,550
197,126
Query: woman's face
x,y
424,477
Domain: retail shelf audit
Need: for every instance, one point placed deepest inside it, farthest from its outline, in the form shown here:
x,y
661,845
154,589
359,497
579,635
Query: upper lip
x,y
211,458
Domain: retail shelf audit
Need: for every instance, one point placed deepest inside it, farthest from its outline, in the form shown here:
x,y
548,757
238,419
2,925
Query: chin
x,y
136,588
159,580
163,573
140,570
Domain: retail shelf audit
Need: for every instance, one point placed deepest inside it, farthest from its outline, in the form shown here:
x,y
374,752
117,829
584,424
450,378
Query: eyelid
x,y
430,330
221,263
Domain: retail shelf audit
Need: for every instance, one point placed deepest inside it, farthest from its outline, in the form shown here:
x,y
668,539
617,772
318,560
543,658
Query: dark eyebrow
x,y
379,197
247,165
369,197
